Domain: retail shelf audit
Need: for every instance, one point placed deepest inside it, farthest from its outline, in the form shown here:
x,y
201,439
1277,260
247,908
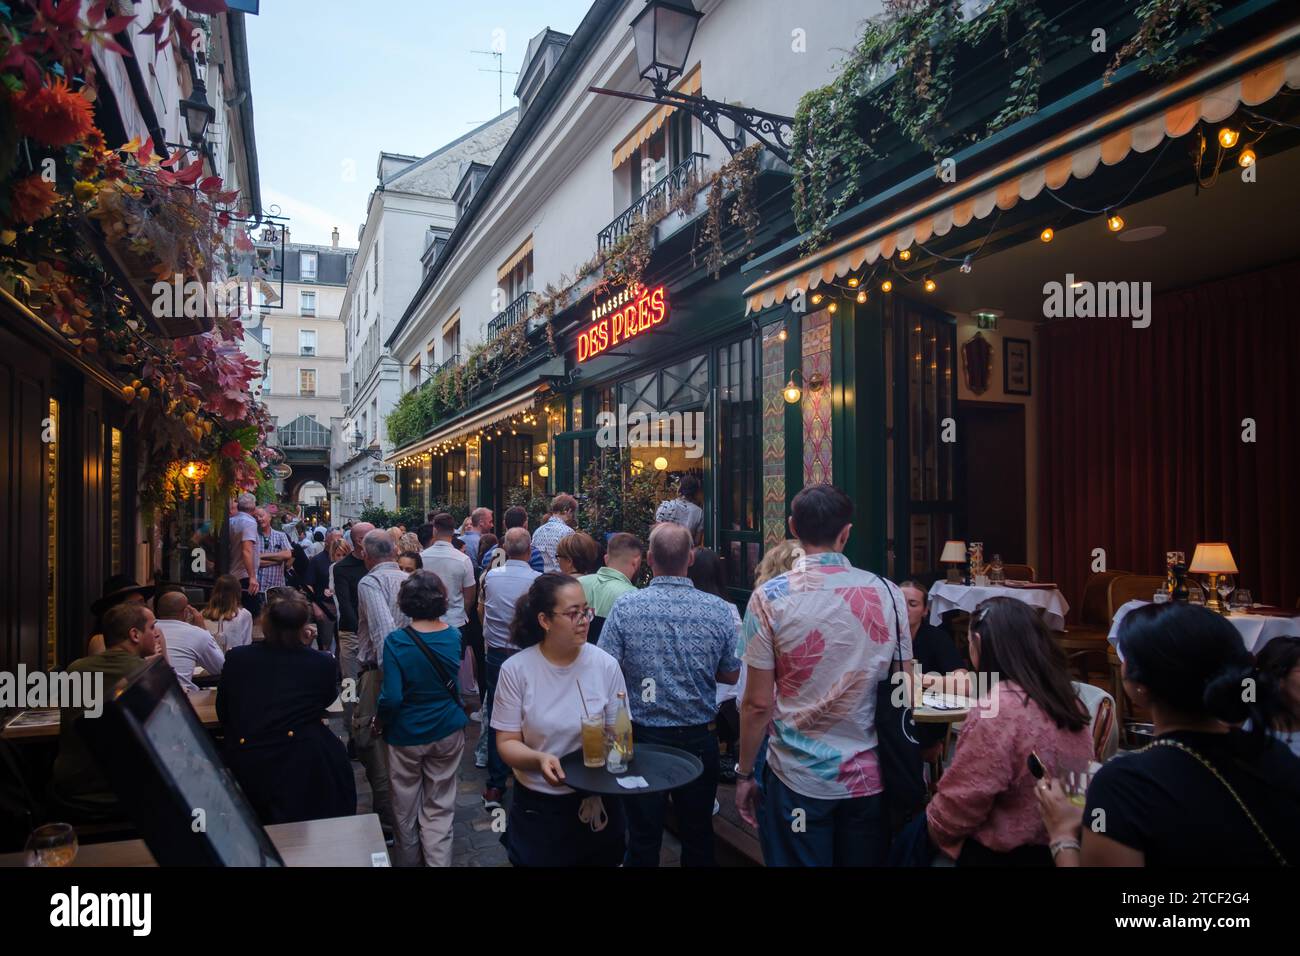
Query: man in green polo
x,y
622,561
79,787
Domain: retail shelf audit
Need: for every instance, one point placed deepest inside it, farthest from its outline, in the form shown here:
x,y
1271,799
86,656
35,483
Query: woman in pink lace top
x,y
985,811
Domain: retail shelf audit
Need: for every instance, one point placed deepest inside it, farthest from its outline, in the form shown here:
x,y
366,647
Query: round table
x,y
934,715
664,768
1256,630
946,596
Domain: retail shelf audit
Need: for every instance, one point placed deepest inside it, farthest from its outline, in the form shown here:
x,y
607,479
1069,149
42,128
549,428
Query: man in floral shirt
x,y
818,639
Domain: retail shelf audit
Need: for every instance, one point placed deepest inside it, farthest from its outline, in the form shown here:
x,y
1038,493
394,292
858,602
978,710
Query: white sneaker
x,y
477,717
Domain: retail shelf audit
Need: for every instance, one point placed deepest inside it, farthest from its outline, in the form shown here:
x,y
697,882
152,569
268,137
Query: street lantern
x,y
198,112
663,33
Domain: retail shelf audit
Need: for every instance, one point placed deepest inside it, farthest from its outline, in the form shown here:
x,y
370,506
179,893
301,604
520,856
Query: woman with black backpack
x,y
423,723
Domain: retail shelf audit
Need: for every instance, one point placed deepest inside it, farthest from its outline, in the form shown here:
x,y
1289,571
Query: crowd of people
x,y
556,627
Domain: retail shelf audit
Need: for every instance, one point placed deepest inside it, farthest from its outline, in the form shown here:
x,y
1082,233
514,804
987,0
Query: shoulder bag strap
x,y
1179,745
448,683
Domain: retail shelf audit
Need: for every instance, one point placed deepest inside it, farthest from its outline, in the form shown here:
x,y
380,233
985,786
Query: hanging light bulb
x,y
853,282
792,392
905,255
1247,158
1114,222
886,286
862,297
817,298
966,264
930,285
1228,137
783,334
1047,235
833,308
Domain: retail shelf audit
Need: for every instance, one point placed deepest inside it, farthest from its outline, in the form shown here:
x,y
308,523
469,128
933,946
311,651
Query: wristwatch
x,y
741,775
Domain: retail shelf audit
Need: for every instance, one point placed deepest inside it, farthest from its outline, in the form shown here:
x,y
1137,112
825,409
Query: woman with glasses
x,y
985,812
541,697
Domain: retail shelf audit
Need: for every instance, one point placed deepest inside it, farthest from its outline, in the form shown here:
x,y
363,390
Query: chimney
x,y
334,238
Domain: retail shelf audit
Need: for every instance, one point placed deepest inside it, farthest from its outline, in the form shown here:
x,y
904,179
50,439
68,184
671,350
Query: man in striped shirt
x,y
564,511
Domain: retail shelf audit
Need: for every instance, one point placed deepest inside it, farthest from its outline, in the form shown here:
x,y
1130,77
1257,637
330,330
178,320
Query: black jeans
x,y
692,803
252,602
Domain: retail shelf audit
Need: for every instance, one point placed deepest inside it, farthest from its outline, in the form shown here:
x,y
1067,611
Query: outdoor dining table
x,y
1256,629
946,596
204,703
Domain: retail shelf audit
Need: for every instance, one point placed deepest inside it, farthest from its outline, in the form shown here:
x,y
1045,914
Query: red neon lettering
x,y
657,305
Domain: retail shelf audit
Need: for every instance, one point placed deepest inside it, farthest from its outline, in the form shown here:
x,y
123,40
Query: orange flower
x,y
33,199
53,115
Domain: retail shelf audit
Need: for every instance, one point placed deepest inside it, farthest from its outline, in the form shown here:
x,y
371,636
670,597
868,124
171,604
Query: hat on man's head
x,y
116,588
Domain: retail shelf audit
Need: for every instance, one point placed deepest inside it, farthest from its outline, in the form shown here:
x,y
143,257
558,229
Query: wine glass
x,y
1241,598
54,844
1226,585
1195,594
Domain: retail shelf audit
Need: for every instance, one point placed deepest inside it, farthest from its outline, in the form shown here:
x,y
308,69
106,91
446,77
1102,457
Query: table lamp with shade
x,y
1214,559
954,555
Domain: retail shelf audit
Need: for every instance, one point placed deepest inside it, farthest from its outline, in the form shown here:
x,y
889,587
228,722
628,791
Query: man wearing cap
x,y
119,589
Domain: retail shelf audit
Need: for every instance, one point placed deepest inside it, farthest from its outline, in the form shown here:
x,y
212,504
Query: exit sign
x,y
987,321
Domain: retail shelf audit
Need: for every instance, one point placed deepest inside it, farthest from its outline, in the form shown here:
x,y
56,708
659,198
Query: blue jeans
x,y
693,803
847,832
497,769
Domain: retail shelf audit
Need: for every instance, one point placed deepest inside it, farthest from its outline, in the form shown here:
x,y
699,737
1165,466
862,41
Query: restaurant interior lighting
x,y
544,471
1213,558
954,555
661,463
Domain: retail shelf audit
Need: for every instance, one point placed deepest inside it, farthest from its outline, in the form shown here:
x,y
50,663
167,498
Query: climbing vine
x,y
899,78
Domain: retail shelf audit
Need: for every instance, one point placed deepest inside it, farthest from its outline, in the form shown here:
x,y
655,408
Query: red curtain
x,y
1141,448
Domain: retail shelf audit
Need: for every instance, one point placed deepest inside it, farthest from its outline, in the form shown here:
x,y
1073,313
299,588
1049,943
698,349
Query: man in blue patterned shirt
x,y
675,645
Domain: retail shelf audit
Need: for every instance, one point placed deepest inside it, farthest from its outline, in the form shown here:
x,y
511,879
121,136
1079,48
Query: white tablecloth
x,y
1256,629
945,596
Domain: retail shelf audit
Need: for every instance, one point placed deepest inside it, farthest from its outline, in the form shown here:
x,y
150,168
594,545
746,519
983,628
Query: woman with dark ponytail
x,y
1202,793
541,696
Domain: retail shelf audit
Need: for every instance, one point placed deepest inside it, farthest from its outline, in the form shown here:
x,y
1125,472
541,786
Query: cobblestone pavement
x,y
474,843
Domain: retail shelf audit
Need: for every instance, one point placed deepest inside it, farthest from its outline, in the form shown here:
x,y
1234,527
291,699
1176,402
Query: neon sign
x,y
624,317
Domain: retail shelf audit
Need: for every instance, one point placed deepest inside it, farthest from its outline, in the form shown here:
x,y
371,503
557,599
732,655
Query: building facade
x,y
411,212
580,176
304,347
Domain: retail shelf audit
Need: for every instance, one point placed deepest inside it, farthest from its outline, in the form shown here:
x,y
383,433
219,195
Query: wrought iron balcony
x,y
452,360
513,314
686,175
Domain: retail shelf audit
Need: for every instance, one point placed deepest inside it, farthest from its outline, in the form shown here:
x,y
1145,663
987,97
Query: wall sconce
x,y
793,392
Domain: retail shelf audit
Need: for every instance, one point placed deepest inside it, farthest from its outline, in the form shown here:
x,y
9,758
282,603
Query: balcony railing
x,y
513,314
688,174
452,360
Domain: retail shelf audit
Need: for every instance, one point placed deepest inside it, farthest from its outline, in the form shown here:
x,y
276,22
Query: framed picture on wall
x,y
1016,378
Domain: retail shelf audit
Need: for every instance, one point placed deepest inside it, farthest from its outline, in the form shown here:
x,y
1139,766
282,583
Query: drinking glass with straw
x,y
593,734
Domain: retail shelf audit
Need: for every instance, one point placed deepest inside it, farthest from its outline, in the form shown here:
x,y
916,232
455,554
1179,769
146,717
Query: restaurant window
x,y
737,470
115,529
516,464
922,368
640,394
307,266
307,382
686,383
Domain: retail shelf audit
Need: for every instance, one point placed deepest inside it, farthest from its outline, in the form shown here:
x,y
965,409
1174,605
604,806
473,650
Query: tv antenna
x,y
500,72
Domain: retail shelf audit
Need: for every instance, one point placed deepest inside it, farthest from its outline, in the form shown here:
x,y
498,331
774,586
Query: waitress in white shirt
x,y
537,714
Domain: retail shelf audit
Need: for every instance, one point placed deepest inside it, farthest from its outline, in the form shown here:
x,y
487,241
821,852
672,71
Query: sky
x,y
336,81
